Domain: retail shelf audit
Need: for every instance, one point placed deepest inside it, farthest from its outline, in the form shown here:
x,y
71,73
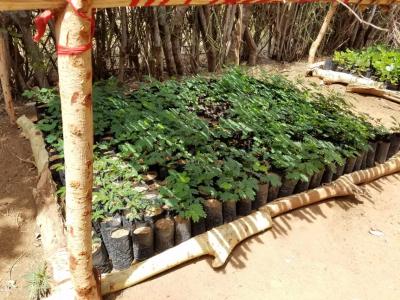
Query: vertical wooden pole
x,y
75,76
5,77
236,39
322,31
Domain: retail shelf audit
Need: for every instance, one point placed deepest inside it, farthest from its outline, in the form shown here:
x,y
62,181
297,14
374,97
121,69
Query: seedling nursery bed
x,y
175,159
378,63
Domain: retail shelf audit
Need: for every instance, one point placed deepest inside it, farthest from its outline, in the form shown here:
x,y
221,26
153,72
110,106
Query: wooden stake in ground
x,y
5,77
75,71
322,31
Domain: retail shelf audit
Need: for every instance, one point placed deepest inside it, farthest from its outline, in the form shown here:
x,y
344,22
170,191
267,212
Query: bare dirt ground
x,y
325,251
19,249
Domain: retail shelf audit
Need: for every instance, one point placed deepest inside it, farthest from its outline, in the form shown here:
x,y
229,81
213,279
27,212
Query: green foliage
x,y
217,137
114,189
180,197
50,124
382,62
38,282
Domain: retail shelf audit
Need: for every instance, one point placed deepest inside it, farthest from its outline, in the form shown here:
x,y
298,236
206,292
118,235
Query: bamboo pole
x,y
322,31
75,73
5,77
7,5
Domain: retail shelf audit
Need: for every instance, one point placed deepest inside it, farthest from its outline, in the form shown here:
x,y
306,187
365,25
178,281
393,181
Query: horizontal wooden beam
x,y
10,5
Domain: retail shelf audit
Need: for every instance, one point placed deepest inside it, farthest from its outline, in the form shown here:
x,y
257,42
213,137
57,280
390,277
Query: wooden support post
x,y
5,77
322,31
75,71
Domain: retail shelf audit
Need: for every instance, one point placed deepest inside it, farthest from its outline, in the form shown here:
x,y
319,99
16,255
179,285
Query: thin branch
x,y
359,18
21,159
13,265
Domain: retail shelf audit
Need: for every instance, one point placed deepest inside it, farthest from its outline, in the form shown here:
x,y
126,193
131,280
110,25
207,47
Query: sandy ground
x,y
19,250
324,251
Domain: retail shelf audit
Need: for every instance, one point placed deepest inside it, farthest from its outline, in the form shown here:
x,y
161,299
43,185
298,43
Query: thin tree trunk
x,y
287,20
24,21
322,31
147,46
77,115
124,44
136,62
228,21
133,45
206,32
366,29
113,34
178,19
166,40
195,47
251,48
237,33
100,38
5,76
17,65
156,52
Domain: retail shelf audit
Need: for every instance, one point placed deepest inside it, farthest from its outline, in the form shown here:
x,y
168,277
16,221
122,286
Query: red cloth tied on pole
x,y
134,3
41,22
43,19
62,50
